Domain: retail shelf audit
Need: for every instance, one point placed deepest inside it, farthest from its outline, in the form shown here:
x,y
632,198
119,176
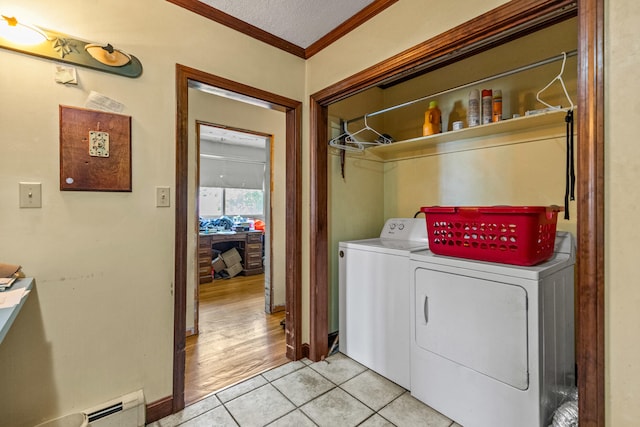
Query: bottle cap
x,y
486,92
497,93
433,104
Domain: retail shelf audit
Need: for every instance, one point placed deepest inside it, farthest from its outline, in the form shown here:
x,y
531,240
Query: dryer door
x,y
476,323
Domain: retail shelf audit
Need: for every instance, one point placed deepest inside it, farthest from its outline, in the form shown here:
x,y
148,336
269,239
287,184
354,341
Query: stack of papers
x,y
12,298
6,282
8,274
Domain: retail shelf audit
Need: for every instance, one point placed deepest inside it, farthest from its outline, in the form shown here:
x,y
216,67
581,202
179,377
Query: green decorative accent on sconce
x,y
64,48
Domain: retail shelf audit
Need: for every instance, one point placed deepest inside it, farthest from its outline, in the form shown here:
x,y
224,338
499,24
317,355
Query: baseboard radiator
x,y
124,411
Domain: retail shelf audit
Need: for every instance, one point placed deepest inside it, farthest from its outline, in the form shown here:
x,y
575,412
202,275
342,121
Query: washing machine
x,y
374,297
493,344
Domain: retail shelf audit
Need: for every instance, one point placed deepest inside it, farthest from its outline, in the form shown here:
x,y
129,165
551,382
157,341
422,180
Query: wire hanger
x,y
347,141
564,88
570,176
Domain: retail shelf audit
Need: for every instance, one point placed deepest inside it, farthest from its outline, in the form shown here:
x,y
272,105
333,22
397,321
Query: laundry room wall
x,y
513,169
402,23
524,168
622,205
355,200
100,321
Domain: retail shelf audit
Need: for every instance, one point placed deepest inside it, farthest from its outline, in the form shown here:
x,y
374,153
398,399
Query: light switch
x,y
30,195
163,197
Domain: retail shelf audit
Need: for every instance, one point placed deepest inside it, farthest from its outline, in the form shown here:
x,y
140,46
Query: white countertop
x,y
9,314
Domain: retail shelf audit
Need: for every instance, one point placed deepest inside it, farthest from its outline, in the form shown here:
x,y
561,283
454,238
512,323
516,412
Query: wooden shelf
x,y
470,138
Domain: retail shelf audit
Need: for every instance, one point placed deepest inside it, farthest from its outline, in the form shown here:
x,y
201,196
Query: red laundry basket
x,y
520,235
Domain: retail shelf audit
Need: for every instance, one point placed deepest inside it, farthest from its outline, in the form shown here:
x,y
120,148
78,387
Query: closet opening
x,y
504,24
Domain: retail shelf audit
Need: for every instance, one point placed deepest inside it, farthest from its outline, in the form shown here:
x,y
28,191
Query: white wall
x,y
622,206
399,27
100,322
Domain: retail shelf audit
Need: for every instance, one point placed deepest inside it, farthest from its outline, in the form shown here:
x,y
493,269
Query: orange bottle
x,y
432,120
497,105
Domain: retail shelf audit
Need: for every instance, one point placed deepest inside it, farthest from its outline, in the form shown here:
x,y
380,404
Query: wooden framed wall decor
x,y
95,150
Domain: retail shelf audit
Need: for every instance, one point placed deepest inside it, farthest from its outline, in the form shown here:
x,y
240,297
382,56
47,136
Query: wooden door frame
x,y
511,20
293,213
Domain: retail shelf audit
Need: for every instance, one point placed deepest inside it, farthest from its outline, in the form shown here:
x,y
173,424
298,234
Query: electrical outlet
x,y
163,197
30,195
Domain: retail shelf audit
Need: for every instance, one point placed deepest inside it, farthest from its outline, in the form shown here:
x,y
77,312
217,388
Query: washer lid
x,y
391,246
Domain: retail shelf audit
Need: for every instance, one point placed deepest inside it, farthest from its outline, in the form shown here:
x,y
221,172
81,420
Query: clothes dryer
x,y
493,344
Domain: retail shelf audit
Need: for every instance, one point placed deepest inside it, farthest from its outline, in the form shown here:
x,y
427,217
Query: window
x,y
215,202
242,202
211,201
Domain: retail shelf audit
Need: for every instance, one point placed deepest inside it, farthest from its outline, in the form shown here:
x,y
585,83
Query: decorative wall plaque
x,y
95,150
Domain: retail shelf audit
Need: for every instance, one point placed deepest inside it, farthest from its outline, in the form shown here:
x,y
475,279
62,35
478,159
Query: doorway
x,y
235,323
187,78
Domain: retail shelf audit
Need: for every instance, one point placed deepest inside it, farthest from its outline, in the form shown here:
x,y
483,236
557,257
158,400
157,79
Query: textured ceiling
x,y
301,22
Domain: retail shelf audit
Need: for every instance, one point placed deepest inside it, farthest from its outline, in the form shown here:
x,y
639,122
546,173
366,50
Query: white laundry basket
x,y
72,420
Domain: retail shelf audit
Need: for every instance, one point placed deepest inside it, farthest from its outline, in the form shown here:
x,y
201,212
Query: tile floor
x,y
337,392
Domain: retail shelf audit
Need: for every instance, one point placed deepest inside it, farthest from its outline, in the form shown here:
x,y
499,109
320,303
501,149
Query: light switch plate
x,y
30,195
163,197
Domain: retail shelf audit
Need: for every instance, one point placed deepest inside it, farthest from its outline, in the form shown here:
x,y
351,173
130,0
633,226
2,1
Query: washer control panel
x,y
405,229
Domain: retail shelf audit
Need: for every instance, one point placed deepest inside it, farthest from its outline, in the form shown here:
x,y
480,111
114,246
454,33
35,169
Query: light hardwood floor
x,y
237,339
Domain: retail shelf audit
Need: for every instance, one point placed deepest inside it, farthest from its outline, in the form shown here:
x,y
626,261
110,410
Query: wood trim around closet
x,y
465,40
590,342
293,239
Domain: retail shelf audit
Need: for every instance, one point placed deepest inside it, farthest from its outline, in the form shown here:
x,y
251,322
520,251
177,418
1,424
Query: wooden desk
x,y
248,244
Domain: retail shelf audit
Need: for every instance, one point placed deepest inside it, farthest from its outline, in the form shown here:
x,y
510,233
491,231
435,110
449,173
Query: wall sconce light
x,y
32,40
19,32
108,55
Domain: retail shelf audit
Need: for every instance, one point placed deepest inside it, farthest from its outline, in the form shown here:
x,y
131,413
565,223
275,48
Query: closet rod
x,y
476,82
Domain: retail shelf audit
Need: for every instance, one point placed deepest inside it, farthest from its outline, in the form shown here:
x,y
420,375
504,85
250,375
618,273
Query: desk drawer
x,y
254,237
204,241
254,247
253,261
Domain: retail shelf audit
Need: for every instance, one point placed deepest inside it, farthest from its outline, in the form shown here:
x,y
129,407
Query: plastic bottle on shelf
x,y
497,105
432,120
473,112
487,106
